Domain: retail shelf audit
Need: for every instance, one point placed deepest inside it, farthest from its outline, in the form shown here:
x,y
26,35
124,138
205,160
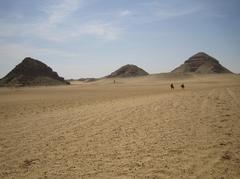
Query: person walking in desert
x,y
182,86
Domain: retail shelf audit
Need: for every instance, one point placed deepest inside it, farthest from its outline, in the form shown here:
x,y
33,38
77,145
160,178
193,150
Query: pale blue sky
x,y
92,38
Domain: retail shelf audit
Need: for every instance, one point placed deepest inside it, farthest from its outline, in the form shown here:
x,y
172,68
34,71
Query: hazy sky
x,y
92,38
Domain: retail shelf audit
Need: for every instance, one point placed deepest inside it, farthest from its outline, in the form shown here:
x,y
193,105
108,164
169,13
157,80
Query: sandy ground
x,y
136,128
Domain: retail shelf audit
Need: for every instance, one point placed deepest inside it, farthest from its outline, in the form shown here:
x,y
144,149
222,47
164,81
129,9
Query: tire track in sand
x,y
218,108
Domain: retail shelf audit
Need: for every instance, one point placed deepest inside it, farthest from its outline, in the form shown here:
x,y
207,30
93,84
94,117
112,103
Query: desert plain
x,y
135,128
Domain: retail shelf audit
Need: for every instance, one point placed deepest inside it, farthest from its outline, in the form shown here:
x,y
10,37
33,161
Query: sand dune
x,y
136,128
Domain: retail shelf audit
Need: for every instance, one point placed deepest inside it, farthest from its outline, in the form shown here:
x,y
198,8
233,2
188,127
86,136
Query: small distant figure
x,y
114,81
182,86
172,86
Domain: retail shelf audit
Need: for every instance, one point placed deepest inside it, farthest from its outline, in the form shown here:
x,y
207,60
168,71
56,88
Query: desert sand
x,y
135,128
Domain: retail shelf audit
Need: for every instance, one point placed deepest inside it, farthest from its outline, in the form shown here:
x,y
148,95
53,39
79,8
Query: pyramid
x,y
128,71
201,63
32,72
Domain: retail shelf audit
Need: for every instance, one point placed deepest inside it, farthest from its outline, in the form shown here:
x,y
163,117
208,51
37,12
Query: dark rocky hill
x,y
32,72
128,71
201,63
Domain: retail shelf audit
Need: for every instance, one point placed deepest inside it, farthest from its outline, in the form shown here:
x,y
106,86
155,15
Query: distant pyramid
x,y
128,71
31,72
201,63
